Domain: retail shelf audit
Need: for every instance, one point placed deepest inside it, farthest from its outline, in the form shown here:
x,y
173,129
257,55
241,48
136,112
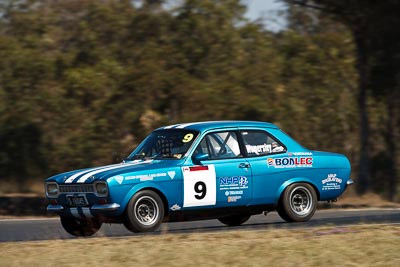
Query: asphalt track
x,y
50,228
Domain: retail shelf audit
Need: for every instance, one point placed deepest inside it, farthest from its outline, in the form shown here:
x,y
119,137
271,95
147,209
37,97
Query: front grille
x,y
80,188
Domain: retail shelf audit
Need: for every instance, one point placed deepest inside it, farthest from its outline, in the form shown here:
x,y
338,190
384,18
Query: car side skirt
x,y
215,213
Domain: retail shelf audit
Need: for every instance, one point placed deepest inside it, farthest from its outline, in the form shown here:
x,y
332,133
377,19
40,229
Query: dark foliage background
x,y
82,82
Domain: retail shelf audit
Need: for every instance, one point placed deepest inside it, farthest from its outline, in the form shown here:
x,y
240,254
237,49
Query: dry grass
x,y
351,199
329,246
31,187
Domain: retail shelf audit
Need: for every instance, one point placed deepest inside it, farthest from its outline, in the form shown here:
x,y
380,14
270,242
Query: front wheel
x,y
145,212
298,203
80,227
234,220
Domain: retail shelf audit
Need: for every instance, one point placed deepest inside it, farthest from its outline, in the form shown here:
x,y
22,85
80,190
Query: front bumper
x,y
109,209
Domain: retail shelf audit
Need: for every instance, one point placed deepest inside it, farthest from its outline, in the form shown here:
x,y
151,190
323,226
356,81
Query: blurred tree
x,y
318,82
84,81
378,67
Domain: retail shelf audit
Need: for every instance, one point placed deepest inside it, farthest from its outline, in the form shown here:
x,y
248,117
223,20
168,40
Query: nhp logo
x,y
240,181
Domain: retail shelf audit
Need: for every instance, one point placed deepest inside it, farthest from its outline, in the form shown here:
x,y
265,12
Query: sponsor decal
x,y
290,162
232,193
196,168
175,207
186,169
300,154
258,149
332,182
233,183
171,174
119,179
234,198
146,177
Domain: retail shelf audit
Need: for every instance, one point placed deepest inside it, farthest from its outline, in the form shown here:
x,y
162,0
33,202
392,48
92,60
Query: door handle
x,y
244,165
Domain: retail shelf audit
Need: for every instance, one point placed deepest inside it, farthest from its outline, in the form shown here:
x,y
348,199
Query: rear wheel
x,y
145,212
298,203
234,220
80,227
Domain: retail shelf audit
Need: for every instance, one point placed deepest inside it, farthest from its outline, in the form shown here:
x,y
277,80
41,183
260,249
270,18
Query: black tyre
x,y
234,220
80,227
298,203
145,212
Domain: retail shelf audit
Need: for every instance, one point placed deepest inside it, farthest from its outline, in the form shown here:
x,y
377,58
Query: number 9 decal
x,y
187,138
199,186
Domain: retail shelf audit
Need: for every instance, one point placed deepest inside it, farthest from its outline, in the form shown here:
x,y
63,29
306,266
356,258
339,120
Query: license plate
x,y
76,201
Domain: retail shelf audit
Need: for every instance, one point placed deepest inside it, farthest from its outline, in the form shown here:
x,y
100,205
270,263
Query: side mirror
x,y
200,157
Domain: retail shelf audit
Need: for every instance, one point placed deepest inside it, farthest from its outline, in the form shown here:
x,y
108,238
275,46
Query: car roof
x,y
209,125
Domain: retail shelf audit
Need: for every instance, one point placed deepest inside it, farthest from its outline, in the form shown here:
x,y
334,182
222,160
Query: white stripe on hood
x,y
73,177
122,165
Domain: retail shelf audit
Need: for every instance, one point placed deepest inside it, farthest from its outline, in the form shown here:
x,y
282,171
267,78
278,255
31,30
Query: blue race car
x,y
225,170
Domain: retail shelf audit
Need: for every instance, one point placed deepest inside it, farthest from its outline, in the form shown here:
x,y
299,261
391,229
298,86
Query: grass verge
x,y
366,245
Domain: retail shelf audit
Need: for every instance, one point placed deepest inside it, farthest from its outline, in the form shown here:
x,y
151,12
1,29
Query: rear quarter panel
x,y
329,175
332,171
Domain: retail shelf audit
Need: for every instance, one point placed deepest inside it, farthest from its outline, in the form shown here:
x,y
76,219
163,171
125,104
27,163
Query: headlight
x,y
101,188
52,189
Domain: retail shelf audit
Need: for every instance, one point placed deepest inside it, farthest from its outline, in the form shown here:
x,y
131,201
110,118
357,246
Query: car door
x,y
262,150
226,178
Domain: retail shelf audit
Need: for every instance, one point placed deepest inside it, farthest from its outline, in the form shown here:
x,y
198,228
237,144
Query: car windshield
x,y
167,144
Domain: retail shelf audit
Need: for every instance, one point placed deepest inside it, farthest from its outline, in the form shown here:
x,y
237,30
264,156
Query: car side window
x,y
221,145
260,143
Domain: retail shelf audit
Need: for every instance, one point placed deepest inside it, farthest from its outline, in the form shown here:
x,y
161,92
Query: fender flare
x,y
143,186
293,181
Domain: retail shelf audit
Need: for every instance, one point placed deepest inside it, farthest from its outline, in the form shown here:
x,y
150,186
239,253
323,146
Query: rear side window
x,y
260,143
221,145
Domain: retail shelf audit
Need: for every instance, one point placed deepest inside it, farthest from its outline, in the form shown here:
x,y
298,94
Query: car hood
x,y
90,175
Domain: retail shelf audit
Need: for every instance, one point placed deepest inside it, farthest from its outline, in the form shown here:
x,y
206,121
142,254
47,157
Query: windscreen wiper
x,y
135,157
